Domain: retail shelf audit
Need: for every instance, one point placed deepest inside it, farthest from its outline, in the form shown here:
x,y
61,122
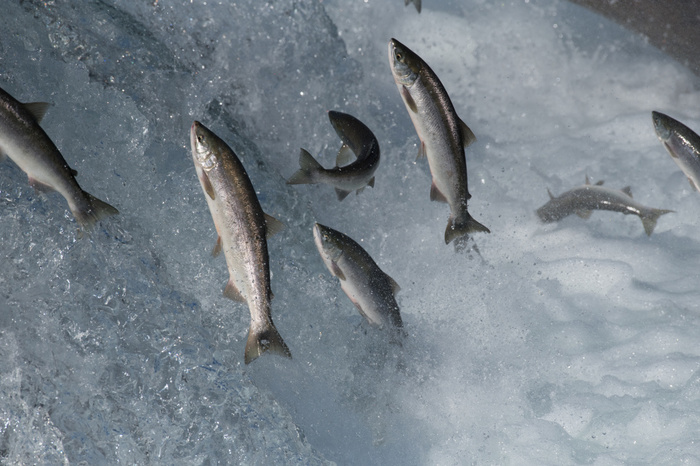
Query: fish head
x,y
663,125
405,65
327,243
204,146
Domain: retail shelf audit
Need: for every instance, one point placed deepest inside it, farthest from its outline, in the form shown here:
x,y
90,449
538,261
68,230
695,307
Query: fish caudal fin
x,y
456,230
92,212
649,219
265,340
307,173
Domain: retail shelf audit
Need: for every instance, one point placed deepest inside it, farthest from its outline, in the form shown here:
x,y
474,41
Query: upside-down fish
x,y
357,139
682,143
584,199
242,228
443,136
370,289
26,143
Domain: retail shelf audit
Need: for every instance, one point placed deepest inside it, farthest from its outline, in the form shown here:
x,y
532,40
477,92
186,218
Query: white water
x,y
571,343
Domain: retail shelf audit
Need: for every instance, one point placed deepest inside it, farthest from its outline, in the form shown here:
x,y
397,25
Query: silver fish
x,y
242,227
358,139
442,134
26,143
415,2
584,199
682,143
368,287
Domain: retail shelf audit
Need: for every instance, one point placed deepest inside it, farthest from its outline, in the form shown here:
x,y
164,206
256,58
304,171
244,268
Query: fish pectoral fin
x,y
692,184
341,193
231,292
39,186
371,182
272,225
335,270
408,99
345,156
421,151
206,184
467,134
37,109
627,190
584,214
217,247
436,195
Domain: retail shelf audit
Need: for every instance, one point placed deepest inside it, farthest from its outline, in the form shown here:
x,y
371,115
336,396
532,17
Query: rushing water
x,y
567,343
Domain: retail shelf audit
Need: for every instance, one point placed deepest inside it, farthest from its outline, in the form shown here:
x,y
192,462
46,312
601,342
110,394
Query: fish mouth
x,y
661,126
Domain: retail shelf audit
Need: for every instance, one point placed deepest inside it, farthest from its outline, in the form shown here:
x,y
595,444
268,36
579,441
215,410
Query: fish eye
x,y
399,56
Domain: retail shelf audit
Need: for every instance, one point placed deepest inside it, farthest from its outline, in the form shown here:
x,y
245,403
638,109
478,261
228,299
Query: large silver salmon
x,y
682,143
26,143
370,289
242,228
443,136
584,199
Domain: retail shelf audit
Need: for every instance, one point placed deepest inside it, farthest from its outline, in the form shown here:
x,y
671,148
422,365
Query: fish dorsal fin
x,y
73,172
371,182
421,151
342,194
206,184
584,214
436,195
627,190
551,196
587,181
37,109
272,225
395,288
231,292
217,247
408,99
467,134
345,156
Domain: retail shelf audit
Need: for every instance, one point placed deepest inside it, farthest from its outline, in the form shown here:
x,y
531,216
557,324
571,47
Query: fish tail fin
x,y
649,219
455,230
307,173
266,340
92,212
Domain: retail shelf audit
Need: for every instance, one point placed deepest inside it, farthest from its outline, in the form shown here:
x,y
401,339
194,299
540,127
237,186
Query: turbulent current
x,y
574,342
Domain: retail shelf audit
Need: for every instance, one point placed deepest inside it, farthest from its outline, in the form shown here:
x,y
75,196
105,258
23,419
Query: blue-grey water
x,y
570,343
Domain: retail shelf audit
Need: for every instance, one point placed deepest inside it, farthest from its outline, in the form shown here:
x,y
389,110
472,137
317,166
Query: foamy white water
x,y
570,343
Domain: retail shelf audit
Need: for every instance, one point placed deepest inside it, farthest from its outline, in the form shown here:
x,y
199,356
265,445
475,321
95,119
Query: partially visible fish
x,y
358,139
682,143
368,287
242,227
415,2
26,143
442,134
584,199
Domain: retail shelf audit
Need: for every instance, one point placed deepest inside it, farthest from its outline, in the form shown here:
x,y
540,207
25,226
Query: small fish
x,y
26,143
682,143
442,134
584,199
370,290
415,2
358,139
242,228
